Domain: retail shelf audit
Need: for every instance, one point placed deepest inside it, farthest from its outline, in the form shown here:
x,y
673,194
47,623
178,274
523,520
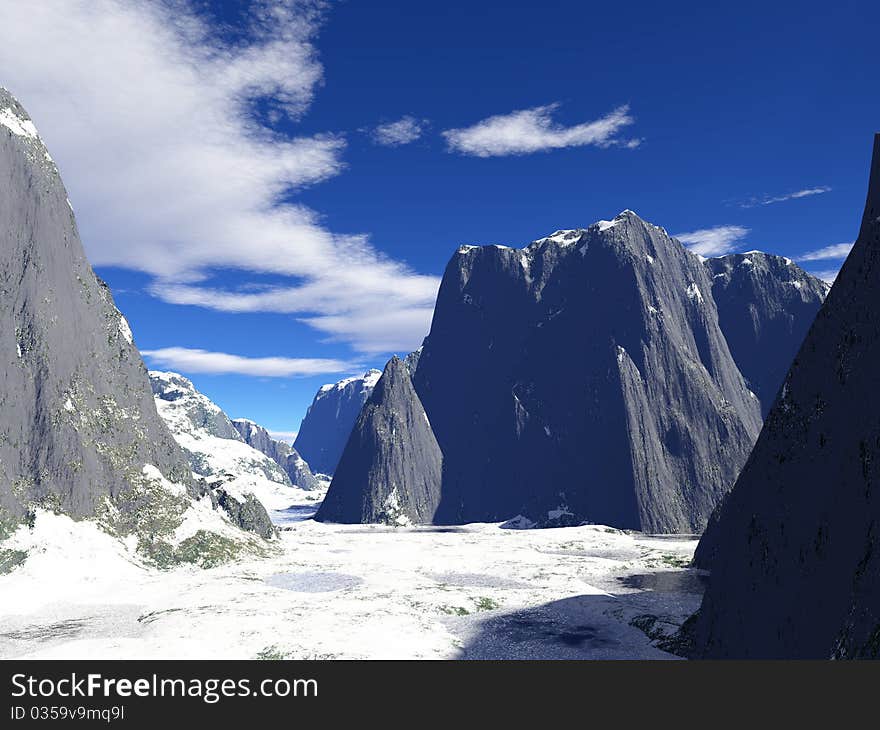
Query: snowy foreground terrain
x,y
352,591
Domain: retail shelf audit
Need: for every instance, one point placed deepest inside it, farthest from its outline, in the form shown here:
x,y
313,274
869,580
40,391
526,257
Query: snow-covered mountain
x,y
329,420
281,453
215,449
80,435
793,550
766,304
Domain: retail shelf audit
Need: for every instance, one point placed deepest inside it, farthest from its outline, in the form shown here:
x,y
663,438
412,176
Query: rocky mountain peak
x,y
390,469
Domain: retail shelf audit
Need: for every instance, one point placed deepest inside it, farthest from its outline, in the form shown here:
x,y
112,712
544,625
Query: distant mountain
x,y
793,549
391,467
283,454
765,304
80,434
329,420
215,449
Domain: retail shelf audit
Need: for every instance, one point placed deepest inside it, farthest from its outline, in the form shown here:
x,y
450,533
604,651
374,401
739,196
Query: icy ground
x,y
356,591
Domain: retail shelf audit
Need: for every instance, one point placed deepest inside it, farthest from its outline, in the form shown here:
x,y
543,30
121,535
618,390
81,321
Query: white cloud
x,y
826,275
533,130
713,241
403,131
189,360
287,436
147,110
837,251
769,200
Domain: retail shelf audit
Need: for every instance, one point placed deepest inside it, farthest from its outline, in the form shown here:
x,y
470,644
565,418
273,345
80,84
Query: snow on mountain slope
x,y
216,449
298,471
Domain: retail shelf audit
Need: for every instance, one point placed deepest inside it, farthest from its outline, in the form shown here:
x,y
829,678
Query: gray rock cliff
x,y
584,378
79,424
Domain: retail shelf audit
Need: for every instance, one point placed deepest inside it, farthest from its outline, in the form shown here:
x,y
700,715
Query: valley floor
x,y
356,592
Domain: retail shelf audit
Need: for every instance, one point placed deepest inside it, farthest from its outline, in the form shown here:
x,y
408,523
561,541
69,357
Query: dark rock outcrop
x,y
248,514
794,548
390,470
328,422
79,424
299,472
281,453
765,304
584,378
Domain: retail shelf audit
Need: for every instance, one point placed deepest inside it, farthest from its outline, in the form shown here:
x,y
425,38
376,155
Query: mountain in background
x,y
80,434
281,453
329,420
765,304
393,448
217,452
584,377
587,377
793,550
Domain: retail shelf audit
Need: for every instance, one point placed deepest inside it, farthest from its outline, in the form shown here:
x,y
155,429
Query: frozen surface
x,y
351,591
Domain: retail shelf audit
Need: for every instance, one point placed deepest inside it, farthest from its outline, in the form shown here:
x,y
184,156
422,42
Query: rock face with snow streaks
x,y
584,378
281,453
79,425
80,433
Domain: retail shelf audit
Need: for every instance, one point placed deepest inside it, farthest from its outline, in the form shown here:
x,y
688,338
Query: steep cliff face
x,y
79,424
281,453
793,550
390,469
329,420
765,304
80,433
584,378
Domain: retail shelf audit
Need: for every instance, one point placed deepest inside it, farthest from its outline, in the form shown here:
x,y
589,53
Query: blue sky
x,y
272,189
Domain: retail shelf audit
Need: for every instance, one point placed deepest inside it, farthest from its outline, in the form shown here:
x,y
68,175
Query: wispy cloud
x,y
714,241
403,131
189,360
826,275
837,251
770,199
286,436
148,109
534,130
